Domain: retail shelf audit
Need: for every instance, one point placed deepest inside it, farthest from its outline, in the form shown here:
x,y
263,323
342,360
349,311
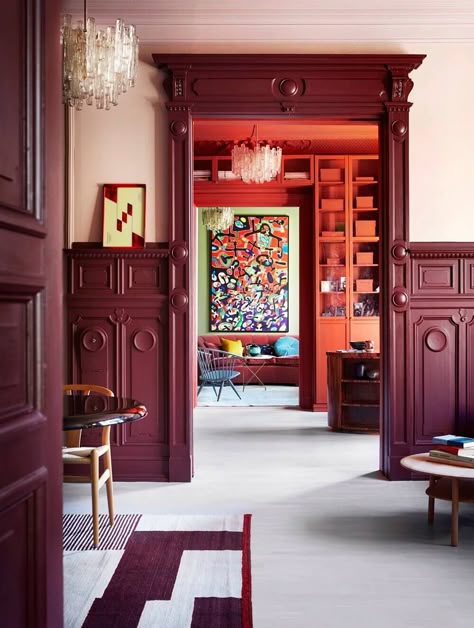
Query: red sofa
x,y
277,370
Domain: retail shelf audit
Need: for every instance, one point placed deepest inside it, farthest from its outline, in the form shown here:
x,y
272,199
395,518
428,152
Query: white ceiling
x,y
252,21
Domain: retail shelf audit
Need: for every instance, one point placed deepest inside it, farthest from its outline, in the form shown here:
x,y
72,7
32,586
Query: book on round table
x,y
435,454
463,442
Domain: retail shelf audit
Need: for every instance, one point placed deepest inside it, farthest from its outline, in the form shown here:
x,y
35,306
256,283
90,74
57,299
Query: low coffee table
x,y
253,365
449,482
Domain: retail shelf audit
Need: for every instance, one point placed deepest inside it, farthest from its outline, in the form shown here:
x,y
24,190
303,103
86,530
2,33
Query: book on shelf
x,y
451,458
463,442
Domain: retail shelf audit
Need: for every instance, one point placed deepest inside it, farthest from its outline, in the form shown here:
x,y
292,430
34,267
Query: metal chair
x,y
73,453
217,368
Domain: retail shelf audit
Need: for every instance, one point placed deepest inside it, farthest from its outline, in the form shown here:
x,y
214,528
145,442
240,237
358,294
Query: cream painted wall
x,y
128,144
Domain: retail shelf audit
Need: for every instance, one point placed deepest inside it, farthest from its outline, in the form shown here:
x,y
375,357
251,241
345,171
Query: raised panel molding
x,y
468,266
435,277
436,384
22,552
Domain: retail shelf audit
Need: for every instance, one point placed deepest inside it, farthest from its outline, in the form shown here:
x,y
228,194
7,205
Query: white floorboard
x,y
333,544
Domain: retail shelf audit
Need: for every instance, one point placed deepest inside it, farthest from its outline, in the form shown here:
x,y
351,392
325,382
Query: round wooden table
x,y
449,482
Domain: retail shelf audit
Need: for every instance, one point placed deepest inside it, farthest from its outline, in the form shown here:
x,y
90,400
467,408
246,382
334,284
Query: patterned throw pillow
x,y
232,346
267,350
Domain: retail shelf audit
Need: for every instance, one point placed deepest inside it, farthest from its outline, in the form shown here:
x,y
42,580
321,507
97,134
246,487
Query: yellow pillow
x,y
232,346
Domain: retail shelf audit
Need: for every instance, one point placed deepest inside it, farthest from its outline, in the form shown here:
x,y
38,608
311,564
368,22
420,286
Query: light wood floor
x,y
333,544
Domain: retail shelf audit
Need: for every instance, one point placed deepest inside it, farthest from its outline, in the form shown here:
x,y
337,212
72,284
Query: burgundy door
x,y
31,210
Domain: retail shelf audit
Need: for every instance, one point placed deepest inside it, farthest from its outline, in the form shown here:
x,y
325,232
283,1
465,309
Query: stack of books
x,y
454,450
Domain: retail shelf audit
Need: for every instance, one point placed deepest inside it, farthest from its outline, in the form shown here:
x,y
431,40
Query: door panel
x,y
31,211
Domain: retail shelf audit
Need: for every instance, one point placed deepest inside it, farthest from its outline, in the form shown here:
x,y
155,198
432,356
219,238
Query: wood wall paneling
x,y
118,337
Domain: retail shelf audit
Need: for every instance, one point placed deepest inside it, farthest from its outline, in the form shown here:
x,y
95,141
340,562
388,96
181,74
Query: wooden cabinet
x,y
347,199
353,391
117,311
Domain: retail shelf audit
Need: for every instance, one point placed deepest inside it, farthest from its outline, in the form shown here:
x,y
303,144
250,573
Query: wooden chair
x,y
73,453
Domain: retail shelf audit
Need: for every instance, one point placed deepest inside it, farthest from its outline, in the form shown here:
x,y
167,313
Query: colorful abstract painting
x,y
249,275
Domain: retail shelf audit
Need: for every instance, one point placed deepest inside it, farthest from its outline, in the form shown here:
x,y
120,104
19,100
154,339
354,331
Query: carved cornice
x,y
395,107
173,107
442,250
152,254
441,254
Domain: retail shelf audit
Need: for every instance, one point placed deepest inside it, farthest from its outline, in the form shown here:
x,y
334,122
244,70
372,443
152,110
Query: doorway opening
x,y
330,167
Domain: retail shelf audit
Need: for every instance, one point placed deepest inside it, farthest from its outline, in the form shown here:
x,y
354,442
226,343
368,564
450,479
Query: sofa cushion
x,y
286,345
232,346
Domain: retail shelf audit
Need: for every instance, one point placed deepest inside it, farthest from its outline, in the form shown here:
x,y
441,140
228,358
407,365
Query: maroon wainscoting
x,y
441,340
118,337
344,87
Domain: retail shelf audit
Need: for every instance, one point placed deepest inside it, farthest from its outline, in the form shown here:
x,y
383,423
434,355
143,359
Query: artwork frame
x,y
249,275
124,212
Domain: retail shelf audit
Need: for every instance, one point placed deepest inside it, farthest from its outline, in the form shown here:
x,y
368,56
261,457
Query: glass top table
x,y
84,411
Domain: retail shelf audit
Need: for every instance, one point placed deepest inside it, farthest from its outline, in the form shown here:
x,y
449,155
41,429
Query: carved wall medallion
x,y
399,128
179,252
179,300
400,298
288,87
144,340
93,339
399,251
435,339
178,128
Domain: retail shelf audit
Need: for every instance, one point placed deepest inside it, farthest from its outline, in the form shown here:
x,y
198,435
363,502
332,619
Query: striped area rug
x,y
77,532
170,571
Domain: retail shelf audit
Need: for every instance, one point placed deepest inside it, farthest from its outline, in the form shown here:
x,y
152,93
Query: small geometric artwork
x,y
124,215
249,275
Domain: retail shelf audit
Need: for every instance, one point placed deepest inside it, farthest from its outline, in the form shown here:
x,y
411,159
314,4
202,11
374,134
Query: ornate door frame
x,y
329,87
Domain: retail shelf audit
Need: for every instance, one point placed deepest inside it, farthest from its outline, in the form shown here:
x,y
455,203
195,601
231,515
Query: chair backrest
x,y
73,437
212,360
86,389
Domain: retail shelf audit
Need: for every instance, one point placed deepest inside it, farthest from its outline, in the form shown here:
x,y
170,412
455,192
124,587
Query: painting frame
x,y
123,214
249,275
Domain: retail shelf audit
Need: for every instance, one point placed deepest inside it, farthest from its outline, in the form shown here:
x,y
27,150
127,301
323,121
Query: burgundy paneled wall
x,y
118,337
441,340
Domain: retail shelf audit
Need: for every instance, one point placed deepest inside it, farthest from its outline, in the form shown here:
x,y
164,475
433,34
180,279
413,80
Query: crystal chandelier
x,y
217,218
255,162
97,64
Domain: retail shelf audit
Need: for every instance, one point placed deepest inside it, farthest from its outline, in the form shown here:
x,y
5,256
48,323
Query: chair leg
x,y
234,388
95,495
110,487
200,388
220,391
